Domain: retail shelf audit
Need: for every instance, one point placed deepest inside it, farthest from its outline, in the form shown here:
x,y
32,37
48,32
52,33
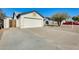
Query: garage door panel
x,y
31,23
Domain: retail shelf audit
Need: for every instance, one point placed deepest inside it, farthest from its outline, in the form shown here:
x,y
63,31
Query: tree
x,y
75,18
2,15
59,17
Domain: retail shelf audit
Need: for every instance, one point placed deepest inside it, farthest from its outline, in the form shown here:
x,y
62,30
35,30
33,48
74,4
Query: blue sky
x,y
43,11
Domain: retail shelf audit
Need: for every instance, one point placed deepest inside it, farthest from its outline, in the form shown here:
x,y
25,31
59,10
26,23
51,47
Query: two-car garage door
x,y
31,23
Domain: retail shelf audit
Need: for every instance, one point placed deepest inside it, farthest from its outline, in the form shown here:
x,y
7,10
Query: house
x,y
48,21
68,20
28,19
7,23
1,23
24,20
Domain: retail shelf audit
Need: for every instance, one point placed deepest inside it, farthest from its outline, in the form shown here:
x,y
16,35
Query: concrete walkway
x,y
38,39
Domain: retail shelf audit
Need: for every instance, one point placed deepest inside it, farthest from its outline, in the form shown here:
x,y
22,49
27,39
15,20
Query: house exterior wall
x,y
30,21
6,23
17,23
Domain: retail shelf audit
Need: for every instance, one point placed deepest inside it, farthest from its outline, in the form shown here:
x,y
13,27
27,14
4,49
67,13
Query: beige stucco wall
x,y
6,23
26,21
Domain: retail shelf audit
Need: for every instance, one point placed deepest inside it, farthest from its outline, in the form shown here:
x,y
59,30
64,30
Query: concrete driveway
x,y
1,33
39,39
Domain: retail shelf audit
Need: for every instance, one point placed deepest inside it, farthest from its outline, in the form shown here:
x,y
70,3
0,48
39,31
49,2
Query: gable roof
x,y
28,13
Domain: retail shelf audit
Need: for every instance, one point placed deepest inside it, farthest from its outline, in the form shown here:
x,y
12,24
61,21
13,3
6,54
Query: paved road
x,y
38,39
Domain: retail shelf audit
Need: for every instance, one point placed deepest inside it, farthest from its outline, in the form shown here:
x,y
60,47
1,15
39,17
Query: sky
x,y
43,11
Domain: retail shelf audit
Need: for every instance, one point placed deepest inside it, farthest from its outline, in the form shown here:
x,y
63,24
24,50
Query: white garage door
x,y
31,23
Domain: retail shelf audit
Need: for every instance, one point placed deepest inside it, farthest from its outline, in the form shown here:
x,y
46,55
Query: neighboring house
x,y
67,20
70,21
24,20
48,21
7,22
1,23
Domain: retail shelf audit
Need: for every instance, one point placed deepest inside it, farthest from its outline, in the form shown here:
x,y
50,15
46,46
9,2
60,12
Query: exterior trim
x,y
28,13
32,18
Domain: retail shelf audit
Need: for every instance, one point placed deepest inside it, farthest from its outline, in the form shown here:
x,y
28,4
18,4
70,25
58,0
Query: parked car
x,y
70,23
